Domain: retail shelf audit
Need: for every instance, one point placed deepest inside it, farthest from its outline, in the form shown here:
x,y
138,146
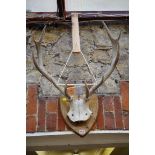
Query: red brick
x,y
51,122
109,121
124,88
100,121
118,112
31,107
117,103
61,123
31,124
126,119
41,115
52,105
108,103
119,120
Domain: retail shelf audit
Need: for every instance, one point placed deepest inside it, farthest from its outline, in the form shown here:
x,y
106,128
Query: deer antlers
x,y
39,64
115,47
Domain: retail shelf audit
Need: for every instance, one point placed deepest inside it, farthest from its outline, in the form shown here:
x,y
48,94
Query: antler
x,y
40,66
41,69
115,47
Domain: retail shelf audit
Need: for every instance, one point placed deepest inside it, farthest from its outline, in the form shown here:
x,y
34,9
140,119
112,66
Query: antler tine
x,y
109,33
38,44
40,66
115,47
42,34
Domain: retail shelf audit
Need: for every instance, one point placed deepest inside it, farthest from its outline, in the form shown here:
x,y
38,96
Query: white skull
x,y
79,110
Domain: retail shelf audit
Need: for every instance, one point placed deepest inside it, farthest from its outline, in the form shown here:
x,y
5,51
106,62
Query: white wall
x,y
41,5
78,5
97,5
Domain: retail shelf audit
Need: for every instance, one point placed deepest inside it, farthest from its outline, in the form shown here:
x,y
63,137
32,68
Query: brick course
x,y
126,119
61,123
100,118
109,121
108,103
124,88
52,105
31,124
43,114
51,122
118,112
32,93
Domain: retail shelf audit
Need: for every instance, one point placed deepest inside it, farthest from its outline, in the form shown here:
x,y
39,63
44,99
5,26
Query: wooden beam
x,y
61,8
75,34
67,140
45,18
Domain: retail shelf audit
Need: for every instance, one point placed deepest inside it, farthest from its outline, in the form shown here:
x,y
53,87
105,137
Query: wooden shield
x,y
80,128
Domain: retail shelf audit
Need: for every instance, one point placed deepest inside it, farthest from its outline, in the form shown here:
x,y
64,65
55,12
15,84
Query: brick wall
x,y
43,114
